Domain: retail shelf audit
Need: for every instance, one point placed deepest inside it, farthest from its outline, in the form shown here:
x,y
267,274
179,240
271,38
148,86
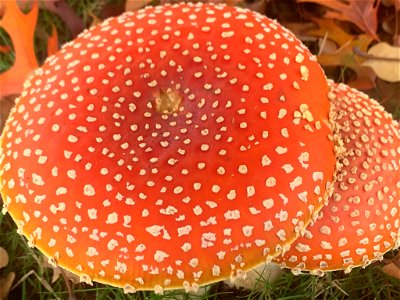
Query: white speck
x,y
112,244
72,139
194,262
287,168
92,251
268,87
296,182
270,182
52,242
37,179
227,34
243,169
215,188
251,191
178,190
299,58
185,230
268,203
318,176
186,247
197,210
89,190
281,150
247,230
282,113
282,215
208,239
281,234
92,213
71,174
160,256
69,252
231,195
221,170
61,191
232,214
170,210
325,230
268,225
265,161
254,211
303,159
112,218
216,270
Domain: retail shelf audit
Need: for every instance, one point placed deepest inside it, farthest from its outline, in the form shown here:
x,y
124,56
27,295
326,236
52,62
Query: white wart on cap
x,y
170,147
361,221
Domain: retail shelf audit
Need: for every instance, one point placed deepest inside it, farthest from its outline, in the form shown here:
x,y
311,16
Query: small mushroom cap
x,y
170,147
361,221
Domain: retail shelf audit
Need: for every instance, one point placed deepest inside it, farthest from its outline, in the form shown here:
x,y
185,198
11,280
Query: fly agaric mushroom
x,y
361,221
170,147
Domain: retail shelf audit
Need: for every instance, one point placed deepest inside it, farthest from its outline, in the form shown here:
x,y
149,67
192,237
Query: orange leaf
x,y
52,42
21,28
329,29
362,13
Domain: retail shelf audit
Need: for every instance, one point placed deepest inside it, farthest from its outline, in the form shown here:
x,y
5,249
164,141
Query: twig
x,y
359,52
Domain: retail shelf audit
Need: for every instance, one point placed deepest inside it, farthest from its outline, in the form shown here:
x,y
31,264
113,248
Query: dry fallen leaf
x,y
362,13
3,258
134,5
395,3
57,271
385,68
345,57
392,270
6,284
67,14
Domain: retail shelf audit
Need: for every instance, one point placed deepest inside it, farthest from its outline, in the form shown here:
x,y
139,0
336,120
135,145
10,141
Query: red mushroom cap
x,y
169,147
361,221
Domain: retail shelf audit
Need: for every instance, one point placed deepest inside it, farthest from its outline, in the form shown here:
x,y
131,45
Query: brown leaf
x,y
395,3
6,103
6,284
3,258
21,28
301,30
392,270
67,14
134,5
345,57
362,13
